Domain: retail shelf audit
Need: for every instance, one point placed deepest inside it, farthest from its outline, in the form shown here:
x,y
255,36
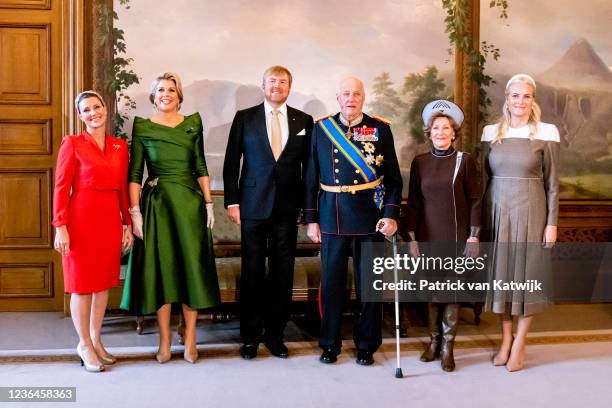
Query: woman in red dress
x,y
90,208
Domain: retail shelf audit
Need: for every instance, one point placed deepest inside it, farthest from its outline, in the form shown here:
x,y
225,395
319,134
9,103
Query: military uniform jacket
x,y
348,213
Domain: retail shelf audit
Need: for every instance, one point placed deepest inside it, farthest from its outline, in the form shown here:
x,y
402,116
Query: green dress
x,y
175,261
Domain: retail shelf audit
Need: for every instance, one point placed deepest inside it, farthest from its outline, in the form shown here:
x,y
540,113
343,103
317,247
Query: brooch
x,y
153,183
379,159
116,146
369,158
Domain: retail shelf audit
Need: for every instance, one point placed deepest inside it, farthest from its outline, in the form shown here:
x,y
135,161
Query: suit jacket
x,y
263,182
81,165
347,213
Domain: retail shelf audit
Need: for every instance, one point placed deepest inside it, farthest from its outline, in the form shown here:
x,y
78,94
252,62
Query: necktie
x,y
277,144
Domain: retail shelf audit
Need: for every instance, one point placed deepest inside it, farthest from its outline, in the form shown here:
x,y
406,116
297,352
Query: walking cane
x,y
398,369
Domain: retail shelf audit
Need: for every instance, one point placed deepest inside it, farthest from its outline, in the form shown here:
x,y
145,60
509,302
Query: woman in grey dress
x,y
520,155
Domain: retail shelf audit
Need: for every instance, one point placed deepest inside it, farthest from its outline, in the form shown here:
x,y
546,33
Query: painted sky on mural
x,y
537,33
319,40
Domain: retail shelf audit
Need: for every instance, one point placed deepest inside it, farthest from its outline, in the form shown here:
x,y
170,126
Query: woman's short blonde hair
x,y
86,95
170,76
455,126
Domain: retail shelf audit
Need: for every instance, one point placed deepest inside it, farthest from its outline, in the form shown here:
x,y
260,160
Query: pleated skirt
x,y
515,218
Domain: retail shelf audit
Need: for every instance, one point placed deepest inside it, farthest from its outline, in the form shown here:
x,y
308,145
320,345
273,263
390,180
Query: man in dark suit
x,y
352,157
273,141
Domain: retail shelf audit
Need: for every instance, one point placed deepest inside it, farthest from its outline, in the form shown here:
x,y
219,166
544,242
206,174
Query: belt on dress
x,y
351,189
187,180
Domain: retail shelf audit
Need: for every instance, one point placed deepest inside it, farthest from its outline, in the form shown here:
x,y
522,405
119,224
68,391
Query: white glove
x,y
136,221
210,215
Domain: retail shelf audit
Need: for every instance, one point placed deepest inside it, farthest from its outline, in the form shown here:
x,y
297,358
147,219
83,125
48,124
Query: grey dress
x,y
521,197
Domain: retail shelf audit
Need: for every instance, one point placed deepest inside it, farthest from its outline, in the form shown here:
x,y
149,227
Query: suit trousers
x,y
367,331
265,298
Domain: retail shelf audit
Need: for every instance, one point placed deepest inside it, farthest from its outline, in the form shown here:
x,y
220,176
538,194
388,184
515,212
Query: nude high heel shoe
x,y
104,356
191,354
91,367
191,346
191,350
516,360
107,359
499,359
163,356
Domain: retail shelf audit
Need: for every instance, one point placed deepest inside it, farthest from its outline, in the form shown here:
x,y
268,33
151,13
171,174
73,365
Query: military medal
x,y
368,147
379,160
349,124
365,134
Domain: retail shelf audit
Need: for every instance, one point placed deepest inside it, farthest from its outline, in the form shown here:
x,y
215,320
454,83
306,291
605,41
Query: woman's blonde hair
x,y
170,76
86,95
534,117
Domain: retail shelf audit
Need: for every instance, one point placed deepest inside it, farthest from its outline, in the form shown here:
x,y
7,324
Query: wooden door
x,y
31,126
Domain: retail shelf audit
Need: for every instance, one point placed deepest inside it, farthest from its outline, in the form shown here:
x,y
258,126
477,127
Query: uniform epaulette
x,y
323,117
383,120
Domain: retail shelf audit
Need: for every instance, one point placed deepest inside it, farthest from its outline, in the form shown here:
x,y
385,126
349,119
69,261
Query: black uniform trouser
x,y
367,332
265,298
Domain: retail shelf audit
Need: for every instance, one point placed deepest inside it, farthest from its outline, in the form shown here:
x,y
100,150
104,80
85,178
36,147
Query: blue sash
x,y
335,135
348,149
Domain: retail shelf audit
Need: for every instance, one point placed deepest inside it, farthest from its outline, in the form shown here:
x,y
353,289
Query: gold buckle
x,y
344,189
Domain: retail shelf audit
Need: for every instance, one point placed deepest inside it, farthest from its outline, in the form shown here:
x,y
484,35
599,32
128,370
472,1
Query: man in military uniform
x,y
353,194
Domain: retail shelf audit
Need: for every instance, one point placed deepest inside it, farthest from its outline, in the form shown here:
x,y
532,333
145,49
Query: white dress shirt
x,y
282,118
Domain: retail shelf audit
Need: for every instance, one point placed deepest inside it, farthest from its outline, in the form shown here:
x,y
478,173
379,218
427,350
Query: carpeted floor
x,y
569,364
567,375
51,331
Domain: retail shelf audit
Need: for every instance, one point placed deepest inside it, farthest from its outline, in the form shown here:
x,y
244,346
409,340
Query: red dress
x,y
91,199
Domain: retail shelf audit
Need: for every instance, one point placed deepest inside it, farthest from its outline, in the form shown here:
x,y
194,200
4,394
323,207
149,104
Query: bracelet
x,y
474,232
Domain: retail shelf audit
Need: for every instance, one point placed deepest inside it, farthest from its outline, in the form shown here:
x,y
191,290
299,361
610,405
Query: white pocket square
x,y
302,132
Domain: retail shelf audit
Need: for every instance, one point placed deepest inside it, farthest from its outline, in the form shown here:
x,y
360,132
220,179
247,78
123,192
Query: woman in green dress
x,y
173,261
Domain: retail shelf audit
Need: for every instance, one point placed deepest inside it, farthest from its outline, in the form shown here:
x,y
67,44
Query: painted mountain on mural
x,y
575,93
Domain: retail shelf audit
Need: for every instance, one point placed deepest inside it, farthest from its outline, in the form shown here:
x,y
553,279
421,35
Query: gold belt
x,y
351,189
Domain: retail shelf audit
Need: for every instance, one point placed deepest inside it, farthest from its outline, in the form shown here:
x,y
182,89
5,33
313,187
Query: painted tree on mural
x,y
459,37
387,102
418,90
403,107
119,74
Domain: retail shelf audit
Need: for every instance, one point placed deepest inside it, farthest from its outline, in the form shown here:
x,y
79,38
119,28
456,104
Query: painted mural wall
x,y
565,45
220,50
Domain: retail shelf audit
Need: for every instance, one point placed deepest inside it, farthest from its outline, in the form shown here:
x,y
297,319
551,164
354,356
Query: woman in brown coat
x,y
443,207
